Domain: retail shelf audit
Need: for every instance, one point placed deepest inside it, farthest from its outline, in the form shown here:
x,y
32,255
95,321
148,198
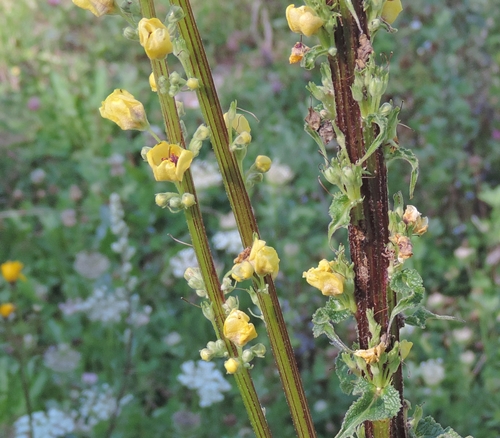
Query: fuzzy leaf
x,y
429,428
340,210
408,286
346,378
371,406
421,315
323,326
409,156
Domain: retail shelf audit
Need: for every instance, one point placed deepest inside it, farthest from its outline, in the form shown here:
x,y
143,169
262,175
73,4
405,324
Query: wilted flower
x,y
11,271
237,328
298,51
154,37
169,161
303,20
97,7
126,111
372,355
323,278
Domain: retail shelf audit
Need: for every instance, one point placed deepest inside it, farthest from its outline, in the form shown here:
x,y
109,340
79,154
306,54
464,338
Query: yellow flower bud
x,y
391,10
263,163
169,161
206,354
7,309
188,200
126,111
231,366
237,328
242,271
193,83
303,20
240,123
154,37
11,271
372,355
152,82
323,278
243,138
97,7
264,258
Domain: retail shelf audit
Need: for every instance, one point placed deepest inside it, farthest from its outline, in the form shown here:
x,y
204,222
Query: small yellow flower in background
x,y
303,20
372,355
264,258
237,328
126,111
240,123
152,82
7,309
169,161
231,365
263,163
11,271
242,271
323,278
391,10
97,7
154,37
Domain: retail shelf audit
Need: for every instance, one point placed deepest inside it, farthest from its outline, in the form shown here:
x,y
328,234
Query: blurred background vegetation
x,y
61,162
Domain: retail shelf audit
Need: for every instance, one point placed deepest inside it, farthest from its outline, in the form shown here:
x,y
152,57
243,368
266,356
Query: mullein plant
x,y
372,285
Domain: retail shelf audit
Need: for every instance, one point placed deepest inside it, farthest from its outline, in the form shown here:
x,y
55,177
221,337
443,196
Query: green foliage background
x,y
57,63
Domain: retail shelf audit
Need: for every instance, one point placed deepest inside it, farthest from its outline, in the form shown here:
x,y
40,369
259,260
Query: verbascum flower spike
x,y
231,366
169,161
323,278
391,10
97,7
154,37
11,271
264,259
303,20
7,309
237,328
126,111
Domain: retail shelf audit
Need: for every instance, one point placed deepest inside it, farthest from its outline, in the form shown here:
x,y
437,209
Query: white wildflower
x,y
205,174
51,424
91,265
173,338
37,176
184,259
432,371
206,380
462,335
62,359
467,357
228,241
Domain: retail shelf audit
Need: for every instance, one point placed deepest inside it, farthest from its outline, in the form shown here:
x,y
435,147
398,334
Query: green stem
x,y
246,222
201,246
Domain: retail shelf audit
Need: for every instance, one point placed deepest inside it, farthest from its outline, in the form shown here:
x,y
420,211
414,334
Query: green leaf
x,y
336,314
347,379
429,428
408,286
322,326
421,315
409,156
340,210
373,405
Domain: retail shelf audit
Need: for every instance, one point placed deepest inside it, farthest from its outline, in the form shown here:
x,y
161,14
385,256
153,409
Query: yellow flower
x,y
152,82
372,355
240,123
7,309
97,7
154,37
264,259
11,271
263,163
242,271
126,111
303,20
169,161
391,10
323,278
237,329
231,366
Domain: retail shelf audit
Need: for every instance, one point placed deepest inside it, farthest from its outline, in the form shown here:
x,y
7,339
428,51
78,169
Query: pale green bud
x,y
247,356
208,311
175,14
131,33
259,350
194,278
167,199
188,200
144,152
206,355
202,133
385,109
175,78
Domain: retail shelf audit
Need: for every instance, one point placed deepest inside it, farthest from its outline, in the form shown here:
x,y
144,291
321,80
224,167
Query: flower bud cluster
x,y
368,87
195,281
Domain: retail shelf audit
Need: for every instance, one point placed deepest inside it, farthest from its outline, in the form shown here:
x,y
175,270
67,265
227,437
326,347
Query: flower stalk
x,y
200,243
246,222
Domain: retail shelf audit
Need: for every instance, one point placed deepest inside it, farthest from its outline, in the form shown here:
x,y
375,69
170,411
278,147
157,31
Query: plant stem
x,y
202,249
246,222
368,231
